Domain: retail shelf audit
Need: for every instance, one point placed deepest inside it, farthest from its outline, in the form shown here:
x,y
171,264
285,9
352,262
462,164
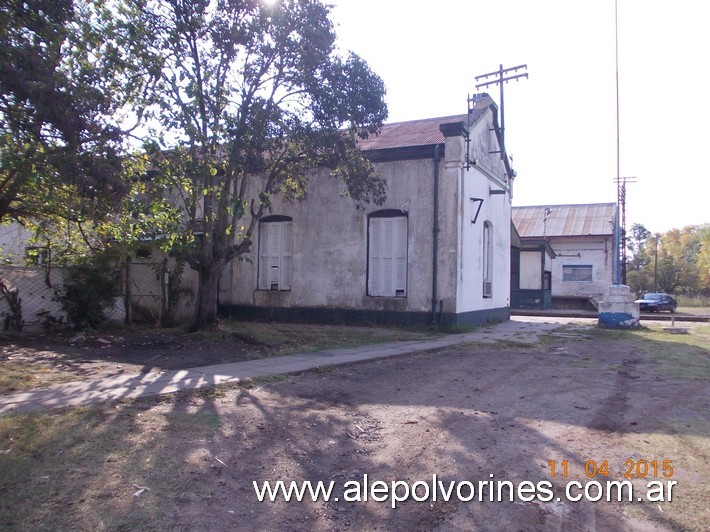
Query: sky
x,y
560,122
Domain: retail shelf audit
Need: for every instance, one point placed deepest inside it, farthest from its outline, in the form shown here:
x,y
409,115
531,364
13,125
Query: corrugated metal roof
x,y
565,220
424,132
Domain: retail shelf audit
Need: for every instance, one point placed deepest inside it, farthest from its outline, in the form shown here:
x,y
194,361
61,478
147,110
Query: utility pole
x,y
621,205
655,262
502,75
620,270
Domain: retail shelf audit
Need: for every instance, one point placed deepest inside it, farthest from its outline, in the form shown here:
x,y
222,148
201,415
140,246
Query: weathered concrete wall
x,y
597,251
14,239
330,255
330,246
617,309
149,296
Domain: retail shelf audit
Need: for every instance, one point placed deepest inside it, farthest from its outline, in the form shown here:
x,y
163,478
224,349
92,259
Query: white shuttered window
x,y
275,255
487,260
387,262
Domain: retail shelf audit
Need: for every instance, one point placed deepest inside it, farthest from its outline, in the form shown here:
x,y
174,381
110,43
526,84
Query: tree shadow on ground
x,y
462,414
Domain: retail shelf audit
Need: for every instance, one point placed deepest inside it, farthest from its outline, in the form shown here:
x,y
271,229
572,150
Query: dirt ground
x,y
472,413
37,359
79,356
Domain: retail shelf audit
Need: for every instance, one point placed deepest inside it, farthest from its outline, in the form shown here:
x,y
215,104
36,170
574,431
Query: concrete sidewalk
x,y
519,329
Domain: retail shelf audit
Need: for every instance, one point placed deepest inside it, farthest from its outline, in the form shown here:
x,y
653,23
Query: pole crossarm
x,y
501,78
502,71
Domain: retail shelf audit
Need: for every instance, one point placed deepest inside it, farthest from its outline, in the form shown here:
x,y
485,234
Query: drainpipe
x,y
435,231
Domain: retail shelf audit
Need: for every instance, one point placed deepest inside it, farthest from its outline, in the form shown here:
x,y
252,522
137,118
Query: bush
x,y
87,292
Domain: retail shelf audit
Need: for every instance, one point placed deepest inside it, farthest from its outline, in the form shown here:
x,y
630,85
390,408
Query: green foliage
x,y
237,100
62,84
252,96
676,262
88,290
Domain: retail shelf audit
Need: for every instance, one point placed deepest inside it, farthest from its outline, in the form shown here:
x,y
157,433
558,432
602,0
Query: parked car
x,y
656,302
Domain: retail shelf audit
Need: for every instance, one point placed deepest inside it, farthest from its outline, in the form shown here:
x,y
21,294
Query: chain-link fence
x,y
31,295
145,290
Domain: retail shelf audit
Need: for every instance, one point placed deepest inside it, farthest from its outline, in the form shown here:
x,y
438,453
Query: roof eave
x,y
402,153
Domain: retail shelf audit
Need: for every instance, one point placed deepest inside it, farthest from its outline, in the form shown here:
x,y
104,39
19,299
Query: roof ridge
x,y
564,205
460,115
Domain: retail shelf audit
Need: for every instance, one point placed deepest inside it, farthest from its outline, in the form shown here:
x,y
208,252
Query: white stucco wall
x,y
597,251
496,209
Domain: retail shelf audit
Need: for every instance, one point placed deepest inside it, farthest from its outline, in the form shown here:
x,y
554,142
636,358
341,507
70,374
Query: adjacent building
x,y
580,260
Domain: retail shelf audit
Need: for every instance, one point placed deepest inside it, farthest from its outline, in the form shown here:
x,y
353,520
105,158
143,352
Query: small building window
x,y
275,253
387,254
487,259
577,273
143,253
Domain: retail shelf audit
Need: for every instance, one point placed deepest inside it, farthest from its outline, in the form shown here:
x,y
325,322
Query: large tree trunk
x,y
208,292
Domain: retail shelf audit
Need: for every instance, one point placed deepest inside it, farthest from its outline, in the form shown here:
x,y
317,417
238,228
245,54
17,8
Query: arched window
x,y
275,253
487,259
387,254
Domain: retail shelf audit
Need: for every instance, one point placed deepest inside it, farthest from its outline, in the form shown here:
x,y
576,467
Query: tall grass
x,y
693,301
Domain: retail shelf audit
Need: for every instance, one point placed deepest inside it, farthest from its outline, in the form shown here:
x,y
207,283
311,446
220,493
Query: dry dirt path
x,y
473,412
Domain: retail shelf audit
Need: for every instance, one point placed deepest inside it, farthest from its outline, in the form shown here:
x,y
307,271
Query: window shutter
x,y
286,255
400,257
263,283
274,254
487,261
375,276
388,257
387,266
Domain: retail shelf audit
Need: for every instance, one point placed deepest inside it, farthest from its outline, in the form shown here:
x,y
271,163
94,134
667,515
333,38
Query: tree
x,y
636,245
250,96
61,82
677,266
704,259
639,267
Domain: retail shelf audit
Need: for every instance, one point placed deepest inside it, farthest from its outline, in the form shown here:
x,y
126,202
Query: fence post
x,y
164,294
127,293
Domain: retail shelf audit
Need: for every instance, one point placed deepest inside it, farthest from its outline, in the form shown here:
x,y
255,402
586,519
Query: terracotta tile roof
x,y
565,220
424,132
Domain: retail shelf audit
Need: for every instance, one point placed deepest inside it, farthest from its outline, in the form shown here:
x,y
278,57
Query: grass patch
x,y
272,379
681,356
289,338
700,302
78,469
16,377
694,311
584,362
488,346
